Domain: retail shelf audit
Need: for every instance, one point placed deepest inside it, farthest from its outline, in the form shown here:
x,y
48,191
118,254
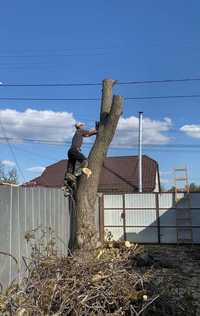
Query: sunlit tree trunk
x,y
86,193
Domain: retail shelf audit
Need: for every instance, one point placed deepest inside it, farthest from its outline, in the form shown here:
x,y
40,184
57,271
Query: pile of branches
x,y
103,282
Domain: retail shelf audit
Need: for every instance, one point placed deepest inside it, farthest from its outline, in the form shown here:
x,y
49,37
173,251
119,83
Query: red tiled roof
x,y
118,174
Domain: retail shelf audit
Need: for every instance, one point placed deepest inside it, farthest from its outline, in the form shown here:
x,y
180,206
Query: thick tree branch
x,y
106,99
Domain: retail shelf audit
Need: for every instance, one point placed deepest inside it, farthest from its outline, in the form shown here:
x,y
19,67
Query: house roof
x,y
118,174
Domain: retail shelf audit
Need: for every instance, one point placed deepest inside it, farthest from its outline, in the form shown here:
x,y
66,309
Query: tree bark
x,y
86,193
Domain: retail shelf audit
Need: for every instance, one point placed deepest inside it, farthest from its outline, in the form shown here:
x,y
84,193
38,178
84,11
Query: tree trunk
x,y
86,193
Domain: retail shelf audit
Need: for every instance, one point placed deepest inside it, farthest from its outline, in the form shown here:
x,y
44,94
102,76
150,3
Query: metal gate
x,y
150,217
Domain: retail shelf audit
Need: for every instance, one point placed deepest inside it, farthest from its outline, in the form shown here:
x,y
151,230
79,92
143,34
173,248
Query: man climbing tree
x,y
86,191
75,155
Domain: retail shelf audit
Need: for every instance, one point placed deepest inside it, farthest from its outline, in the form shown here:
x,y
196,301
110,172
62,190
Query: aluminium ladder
x,y
183,207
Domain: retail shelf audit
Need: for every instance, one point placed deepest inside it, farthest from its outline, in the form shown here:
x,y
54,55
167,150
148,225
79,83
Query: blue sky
x,y
87,41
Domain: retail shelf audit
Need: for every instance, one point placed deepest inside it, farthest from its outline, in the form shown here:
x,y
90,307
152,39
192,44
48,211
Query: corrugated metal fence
x,y
142,218
148,217
25,209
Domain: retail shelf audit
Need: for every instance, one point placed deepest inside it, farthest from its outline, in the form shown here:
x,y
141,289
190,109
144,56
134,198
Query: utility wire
x,y
31,140
49,99
91,121
55,55
164,97
190,96
99,83
158,81
50,84
35,153
46,141
59,53
11,150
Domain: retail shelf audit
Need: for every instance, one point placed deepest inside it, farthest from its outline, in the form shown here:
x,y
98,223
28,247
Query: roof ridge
x,y
55,163
130,156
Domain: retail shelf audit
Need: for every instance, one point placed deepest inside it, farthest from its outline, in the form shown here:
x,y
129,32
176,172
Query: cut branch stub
x,y
106,99
117,106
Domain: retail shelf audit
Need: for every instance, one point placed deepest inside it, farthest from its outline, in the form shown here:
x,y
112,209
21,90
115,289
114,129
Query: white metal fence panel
x,y
143,221
196,235
168,235
138,200
167,217
196,220
113,218
142,234
22,210
113,200
144,217
195,200
150,217
196,217
166,200
5,235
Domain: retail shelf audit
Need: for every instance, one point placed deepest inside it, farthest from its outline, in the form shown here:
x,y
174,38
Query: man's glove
x,y
97,125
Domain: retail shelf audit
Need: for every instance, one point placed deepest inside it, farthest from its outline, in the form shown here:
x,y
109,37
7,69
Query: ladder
x,y
183,206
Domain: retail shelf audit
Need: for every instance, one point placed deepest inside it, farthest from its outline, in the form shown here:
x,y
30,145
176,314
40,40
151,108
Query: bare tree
x,y
86,193
8,177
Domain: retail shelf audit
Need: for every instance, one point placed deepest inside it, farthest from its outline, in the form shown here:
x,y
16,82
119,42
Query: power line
x,y
12,151
51,84
92,121
48,63
190,96
158,81
35,153
55,142
53,55
56,53
99,83
31,140
164,97
48,99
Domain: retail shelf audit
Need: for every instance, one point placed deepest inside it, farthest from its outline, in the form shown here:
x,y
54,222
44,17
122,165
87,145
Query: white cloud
x,y
8,163
59,126
127,131
36,169
35,124
192,130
